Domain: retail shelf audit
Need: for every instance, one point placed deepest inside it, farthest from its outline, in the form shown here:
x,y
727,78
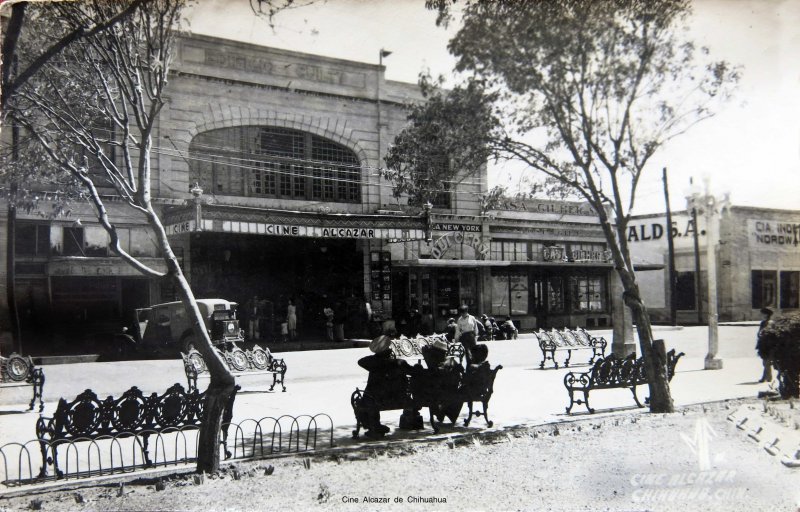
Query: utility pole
x,y
696,262
673,299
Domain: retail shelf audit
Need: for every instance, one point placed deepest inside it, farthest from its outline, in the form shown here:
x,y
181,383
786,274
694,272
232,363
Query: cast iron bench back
x,y
88,418
257,361
569,340
613,372
16,370
411,348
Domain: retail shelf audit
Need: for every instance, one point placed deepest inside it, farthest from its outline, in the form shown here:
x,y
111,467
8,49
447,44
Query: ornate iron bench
x,y
569,340
612,372
133,414
16,370
425,389
411,348
258,361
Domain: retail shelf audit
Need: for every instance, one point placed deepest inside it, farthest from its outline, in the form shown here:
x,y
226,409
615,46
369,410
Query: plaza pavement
x,y
321,381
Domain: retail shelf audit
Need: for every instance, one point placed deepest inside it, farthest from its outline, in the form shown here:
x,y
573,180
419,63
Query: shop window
x,y
96,240
555,295
790,290
275,162
587,293
73,241
32,239
510,294
685,292
764,288
510,251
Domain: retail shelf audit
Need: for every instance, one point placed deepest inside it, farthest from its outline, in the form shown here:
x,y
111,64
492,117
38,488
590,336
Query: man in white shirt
x,y
466,331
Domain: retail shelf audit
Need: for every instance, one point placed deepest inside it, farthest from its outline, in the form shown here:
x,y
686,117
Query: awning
x,y
431,262
272,222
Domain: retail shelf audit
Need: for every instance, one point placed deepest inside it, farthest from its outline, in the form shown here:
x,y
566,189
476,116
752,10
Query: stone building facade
x,y
265,173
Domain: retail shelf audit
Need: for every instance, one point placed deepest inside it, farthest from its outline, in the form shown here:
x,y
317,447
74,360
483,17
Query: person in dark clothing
x,y
450,329
387,385
766,315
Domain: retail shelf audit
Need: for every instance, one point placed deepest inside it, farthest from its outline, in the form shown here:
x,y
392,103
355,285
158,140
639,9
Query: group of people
x,y
389,378
260,315
486,328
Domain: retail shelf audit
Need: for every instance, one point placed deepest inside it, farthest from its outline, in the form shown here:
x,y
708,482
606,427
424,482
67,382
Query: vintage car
x,y
165,328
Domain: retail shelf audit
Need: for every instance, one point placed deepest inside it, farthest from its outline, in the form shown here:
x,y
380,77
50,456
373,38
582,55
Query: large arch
x,y
275,161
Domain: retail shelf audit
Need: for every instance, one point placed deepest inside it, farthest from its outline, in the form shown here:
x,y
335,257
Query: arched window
x,y
264,161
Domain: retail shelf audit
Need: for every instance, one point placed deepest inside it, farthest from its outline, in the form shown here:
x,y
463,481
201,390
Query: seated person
x,y
476,376
440,381
508,329
387,385
450,329
482,333
493,328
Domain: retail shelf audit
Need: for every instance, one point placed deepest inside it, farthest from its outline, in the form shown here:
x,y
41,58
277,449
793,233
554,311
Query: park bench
x,y
613,372
258,361
89,419
436,391
411,348
569,340
16,371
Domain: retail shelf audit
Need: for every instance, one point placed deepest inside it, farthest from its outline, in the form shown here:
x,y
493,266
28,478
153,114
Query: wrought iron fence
x,y
23,463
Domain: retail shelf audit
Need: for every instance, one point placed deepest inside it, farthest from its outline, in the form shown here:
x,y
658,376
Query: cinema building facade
x,y
265,172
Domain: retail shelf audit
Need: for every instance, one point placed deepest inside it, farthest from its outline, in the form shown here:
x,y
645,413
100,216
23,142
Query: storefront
x,y
544,264
757,260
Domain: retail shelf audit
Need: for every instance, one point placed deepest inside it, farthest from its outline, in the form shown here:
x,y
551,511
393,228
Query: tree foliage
x,y
587,92
779,342
92,111
428,156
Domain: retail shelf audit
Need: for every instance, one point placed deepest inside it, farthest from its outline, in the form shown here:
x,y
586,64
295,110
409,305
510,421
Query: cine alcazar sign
x,y
774,234
298,230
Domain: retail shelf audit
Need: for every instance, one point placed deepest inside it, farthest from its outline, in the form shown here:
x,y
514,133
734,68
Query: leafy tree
x,y
427,157
104,92
587,92
779,342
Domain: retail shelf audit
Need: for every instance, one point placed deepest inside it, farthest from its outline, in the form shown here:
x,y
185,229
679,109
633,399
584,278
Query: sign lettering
x,y
775,234
446,241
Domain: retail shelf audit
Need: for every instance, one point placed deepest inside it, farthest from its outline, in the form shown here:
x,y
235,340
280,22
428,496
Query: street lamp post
x,y
710,207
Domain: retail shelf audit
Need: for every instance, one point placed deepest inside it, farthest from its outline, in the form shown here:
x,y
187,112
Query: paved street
x,y
322,381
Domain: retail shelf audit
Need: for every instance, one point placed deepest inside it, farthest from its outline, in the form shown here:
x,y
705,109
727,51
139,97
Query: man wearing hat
x,y
766,315
387,385
466,331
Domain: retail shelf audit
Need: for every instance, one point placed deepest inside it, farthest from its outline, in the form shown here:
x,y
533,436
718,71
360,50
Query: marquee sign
x,y
297,230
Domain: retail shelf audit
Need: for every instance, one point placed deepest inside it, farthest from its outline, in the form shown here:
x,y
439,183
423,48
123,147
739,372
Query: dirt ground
x,y
632,461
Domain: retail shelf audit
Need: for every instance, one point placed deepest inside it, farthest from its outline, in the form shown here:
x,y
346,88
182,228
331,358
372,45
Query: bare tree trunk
x,y
654,360
221,384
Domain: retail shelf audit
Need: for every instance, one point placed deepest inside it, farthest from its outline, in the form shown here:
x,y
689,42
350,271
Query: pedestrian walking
x,y
291,320
766,316
328,312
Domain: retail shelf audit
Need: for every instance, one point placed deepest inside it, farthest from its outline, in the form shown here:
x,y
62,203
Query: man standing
x,y
466,331
766,315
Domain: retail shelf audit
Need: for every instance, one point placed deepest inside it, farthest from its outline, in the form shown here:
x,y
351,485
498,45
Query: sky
x,y
750,149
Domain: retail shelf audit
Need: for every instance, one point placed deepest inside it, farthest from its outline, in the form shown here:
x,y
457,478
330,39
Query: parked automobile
x,y
165,328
